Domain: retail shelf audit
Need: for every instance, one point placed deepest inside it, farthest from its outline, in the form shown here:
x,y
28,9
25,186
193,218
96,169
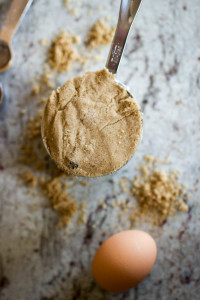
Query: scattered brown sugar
x,y
102,204
22,112
44,42
124,184
62,54
158,194
43,83
82,216
76,39
41,101
73,12
84,182
61,202
29,179
100,34
34,155
35,206
67,2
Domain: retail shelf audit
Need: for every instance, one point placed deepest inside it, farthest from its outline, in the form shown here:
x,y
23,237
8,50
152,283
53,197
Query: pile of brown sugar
x,y
158,194
62,53
100,34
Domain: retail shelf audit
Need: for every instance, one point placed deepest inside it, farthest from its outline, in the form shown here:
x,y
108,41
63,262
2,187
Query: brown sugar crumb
x,y
61,202
35,206
102,204
100,34
41,101
82,216
44,42
84,183
73,12
67,2
62,53
22,112
124,184
35,89
29,179
158,194
76,39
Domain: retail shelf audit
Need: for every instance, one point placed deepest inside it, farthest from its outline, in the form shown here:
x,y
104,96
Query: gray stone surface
x,y
38,260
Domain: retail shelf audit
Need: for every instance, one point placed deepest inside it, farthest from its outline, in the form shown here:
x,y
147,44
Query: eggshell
x,y
124,260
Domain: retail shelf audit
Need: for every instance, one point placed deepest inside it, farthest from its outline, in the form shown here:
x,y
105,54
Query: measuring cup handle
x,y
128,10
16,12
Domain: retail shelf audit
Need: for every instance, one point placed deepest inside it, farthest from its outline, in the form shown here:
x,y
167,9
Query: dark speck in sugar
x,y
73,165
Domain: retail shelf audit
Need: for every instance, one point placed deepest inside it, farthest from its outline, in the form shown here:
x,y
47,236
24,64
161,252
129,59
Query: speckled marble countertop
x,y
161,65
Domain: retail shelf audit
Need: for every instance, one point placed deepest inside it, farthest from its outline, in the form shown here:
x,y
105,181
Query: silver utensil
x,y
128,10
15,15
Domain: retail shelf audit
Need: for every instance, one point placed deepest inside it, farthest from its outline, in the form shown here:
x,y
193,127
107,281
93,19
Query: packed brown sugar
x,y
91,126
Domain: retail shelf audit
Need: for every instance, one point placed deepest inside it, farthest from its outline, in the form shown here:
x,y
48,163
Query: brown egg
x,y
124,260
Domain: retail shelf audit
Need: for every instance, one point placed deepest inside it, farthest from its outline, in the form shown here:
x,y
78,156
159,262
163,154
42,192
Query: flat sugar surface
x,y
91,125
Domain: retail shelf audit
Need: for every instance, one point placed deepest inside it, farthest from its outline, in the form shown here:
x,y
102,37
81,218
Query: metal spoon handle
x,y
128,10
16,12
